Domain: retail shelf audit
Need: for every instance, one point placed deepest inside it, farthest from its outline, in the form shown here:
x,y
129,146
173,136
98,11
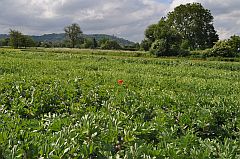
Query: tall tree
x,y
165,41
195,23
95,43
27,41
15,38
73,33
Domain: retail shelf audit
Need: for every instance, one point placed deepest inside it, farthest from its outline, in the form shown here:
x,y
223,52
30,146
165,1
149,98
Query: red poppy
x,y
120,82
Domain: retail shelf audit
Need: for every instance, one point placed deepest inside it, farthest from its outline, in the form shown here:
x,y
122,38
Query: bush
x,y
159,48
201,53
223,49
111,45
162,48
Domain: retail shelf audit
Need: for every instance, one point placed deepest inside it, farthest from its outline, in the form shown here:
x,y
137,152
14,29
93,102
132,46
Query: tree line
x,y
187,29
73,39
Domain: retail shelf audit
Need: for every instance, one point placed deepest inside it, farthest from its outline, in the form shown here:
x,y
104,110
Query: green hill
x,y
60,37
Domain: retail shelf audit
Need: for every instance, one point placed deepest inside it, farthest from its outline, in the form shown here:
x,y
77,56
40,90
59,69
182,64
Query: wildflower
x,y
120,82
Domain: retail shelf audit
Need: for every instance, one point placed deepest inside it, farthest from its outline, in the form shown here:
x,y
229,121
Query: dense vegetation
x,y
82,104
188,27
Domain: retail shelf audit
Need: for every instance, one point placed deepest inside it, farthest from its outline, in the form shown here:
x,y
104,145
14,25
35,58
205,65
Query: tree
x,y
227,48
15,38
5,42
150,32
111,45
222,49
73,33
164,40
145,45
195,23
95,44
234,42
88,43
26,41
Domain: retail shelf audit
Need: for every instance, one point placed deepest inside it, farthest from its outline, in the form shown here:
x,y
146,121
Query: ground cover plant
x,y
56,104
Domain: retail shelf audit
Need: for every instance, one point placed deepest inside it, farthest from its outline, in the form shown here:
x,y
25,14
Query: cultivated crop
x,y
86,105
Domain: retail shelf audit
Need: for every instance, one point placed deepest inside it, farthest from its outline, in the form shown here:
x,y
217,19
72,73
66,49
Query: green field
x,y
68,104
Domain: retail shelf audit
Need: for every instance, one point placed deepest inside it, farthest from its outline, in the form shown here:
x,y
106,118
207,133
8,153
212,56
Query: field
x,y
70,104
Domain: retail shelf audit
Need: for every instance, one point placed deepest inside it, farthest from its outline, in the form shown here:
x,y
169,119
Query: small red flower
x,y
120,82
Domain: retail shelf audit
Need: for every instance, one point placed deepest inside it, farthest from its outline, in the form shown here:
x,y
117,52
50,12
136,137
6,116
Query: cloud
x,y
125,18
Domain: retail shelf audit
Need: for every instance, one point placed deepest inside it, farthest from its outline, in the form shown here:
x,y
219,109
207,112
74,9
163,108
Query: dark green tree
x,y
15,38
95,43
26,41
150,32
234,42
5,42
88,43
195,23
145,44
227,48
164,40
111,45
73,34
222,49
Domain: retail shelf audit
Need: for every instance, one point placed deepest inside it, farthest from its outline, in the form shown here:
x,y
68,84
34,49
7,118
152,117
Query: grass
x,y
68,104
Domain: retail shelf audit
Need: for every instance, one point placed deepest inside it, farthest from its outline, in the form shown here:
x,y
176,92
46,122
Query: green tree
x,y
26,41
103,41
95,43
227,48
88,43
164,40
145,44
234,42
111,45
150,32
5,42
222,49
73,34
195,23
15,38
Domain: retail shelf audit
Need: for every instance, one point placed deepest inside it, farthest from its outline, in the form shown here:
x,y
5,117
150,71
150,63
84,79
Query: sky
x,y
123,18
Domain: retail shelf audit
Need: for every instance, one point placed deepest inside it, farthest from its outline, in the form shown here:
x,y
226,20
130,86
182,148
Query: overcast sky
x,y
123,18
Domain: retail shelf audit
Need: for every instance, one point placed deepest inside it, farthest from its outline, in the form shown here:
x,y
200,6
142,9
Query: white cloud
x,y
125,18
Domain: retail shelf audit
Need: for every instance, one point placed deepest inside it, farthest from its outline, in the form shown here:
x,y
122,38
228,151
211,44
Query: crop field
x,y
84,104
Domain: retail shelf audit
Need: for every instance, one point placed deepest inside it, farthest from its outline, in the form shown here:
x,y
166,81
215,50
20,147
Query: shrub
x,y
110,45
223,49
162,48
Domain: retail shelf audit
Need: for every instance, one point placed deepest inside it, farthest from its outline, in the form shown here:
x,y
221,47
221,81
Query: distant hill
x,y
121,41
60,37
3,36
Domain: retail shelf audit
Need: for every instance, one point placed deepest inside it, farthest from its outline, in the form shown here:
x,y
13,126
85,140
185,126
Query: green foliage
x,y
145,45
27,41
16,38
5,42
195,23
110,45
234,42
90,43
227,48
223,49
73,34
159,48
188,27
165,41
67,103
